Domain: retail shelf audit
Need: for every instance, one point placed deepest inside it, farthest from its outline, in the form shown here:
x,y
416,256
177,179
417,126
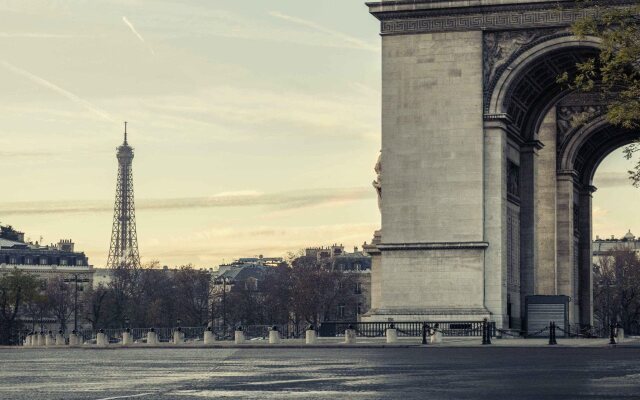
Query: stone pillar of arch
x,y
566,256
585,258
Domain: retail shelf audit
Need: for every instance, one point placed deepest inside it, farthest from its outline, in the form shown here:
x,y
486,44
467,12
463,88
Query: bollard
x,y
436,335
48,339
239,336
126,337
208,336
178,336
350,335
60,339
425,329
486,333
101,339
612,334
619,334
392,334
310,335
274,336
552,333
73,339
152,337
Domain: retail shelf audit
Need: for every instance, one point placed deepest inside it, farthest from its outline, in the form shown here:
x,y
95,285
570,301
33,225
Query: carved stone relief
x,y
501,48
572,116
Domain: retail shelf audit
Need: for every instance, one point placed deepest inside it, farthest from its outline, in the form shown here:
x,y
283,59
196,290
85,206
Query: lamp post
x,y
126,323
224,302
179,321
75,280
224,281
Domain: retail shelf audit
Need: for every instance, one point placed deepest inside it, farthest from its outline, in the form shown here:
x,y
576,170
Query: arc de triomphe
x,y
486,182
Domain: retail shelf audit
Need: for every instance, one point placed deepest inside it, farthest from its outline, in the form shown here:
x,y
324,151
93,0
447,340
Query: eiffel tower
x,y
123,251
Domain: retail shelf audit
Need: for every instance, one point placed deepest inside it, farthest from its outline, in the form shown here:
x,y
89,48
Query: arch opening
x,y
615,245
553,164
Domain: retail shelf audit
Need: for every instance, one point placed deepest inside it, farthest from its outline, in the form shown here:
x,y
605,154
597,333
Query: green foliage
x,y
615,72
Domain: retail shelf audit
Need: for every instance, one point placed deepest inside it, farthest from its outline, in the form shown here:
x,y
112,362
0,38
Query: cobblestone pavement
x,y
315,373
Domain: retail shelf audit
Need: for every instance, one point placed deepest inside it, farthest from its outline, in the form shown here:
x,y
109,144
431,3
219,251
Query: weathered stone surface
x,y
488,161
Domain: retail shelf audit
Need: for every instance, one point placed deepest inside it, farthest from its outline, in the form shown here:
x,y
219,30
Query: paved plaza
x,y
540,372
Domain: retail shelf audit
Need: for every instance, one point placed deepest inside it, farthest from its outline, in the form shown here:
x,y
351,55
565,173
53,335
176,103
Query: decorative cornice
x,y
532,146
568,175
408,17
432,246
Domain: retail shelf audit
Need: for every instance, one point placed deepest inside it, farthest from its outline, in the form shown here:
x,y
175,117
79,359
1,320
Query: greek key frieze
x,y
488,21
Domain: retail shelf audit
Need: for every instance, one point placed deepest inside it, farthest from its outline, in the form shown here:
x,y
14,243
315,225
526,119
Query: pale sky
x,y
256,125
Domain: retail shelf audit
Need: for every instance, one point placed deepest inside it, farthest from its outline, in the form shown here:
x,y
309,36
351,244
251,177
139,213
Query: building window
x,y
13,260
357,266
341,311
79,262
43,261
63,261
27,260
251,284
358,288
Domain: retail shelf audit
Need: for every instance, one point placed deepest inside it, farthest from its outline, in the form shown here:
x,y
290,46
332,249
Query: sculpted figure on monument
x,y
377,184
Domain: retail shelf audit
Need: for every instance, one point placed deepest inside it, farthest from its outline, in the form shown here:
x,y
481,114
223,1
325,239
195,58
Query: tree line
x,y
299,292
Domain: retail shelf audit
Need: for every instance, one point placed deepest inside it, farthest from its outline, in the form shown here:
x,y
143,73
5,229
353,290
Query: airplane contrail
x,y
361,44
51,86
135,32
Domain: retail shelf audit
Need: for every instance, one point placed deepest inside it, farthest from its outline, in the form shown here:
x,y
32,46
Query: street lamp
x,y
75,300
179,322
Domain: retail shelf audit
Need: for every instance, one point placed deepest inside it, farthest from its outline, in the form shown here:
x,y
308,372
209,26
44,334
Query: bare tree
x,y
16,290
193,290
97,305
617,288
318,290
60,298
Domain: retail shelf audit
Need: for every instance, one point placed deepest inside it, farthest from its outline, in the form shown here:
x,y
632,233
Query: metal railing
x,y
405,329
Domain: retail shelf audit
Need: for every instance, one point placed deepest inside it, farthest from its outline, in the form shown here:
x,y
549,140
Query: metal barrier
x,y
406,329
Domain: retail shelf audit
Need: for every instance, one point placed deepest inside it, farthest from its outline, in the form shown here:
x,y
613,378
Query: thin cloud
x,y
268,240
135,32
612,179
34,35
358,43
277,201
55,88
22,154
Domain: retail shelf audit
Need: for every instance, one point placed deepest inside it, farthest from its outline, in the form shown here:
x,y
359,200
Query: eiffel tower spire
x,y
123,251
